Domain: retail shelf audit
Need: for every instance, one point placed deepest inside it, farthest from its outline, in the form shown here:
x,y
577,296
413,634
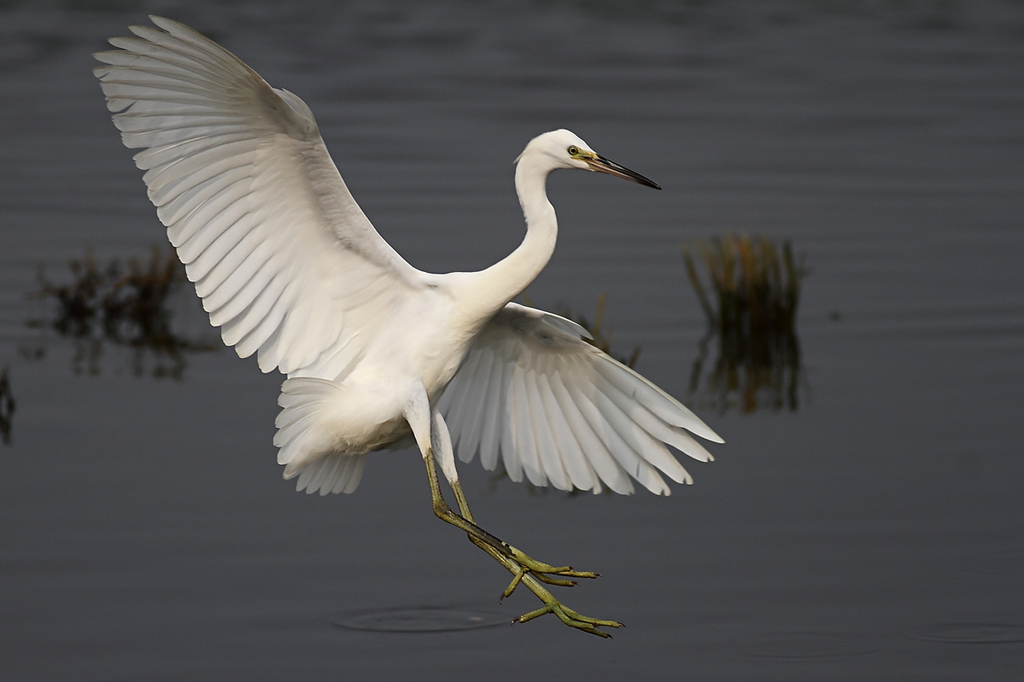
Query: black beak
x,y
603,165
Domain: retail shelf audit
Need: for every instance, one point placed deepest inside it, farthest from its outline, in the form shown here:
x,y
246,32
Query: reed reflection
x,y
124,303
7,406
750,301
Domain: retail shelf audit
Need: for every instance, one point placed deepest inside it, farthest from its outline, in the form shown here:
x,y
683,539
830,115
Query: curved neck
x,y
503,281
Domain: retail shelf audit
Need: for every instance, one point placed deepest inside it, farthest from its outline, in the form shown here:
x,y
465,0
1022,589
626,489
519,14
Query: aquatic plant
x,y
124,302
750,302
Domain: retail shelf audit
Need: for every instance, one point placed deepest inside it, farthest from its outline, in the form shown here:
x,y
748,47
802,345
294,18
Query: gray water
x,y
874,532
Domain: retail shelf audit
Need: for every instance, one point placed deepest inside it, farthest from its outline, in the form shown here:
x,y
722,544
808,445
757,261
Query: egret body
x,y
378,353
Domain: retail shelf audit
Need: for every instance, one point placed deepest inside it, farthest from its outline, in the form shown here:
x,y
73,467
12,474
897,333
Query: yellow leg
x,y
524,570
541,570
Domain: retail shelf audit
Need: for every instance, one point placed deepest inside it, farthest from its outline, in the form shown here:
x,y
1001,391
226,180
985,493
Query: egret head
x,y
565,149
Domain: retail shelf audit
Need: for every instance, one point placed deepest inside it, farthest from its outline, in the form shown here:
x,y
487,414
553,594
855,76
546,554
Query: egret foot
x,y
551,605
527,576
524,569
521,563
571,618
517,562
545,571
540,569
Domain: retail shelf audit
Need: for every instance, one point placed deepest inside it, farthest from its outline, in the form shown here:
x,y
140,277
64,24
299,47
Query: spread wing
x,y
536,396
286,263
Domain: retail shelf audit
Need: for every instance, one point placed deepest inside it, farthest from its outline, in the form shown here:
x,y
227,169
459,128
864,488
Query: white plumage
x,y
377,353
535,396
289,268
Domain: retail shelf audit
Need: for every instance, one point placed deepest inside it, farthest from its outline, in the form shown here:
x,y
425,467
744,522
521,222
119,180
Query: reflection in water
x,y
751,312
123,303
6,406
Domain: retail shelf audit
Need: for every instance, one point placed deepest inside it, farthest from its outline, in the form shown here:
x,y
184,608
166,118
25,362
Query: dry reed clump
x,y
123,302
751,302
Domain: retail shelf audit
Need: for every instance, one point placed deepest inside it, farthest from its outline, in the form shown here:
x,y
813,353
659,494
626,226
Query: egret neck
x,y
495,286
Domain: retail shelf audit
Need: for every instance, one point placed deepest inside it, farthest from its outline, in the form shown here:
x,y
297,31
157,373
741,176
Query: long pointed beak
x,y
603,165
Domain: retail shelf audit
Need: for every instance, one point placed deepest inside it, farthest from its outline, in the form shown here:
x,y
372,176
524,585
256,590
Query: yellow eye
x,y
573,150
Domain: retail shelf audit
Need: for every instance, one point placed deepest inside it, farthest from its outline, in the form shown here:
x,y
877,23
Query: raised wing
x,y
284,259
532,393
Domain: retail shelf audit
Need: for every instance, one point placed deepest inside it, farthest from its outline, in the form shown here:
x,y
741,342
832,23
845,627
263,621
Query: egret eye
x,y
573,150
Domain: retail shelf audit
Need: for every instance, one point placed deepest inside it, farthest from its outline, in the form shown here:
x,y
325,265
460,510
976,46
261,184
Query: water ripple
x,y
969,633
419,619
804,646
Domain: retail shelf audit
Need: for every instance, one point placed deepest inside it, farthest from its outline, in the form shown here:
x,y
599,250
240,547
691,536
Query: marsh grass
x,y
124,302
750,299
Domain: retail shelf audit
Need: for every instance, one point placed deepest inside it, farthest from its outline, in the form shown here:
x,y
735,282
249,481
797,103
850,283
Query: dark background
x,y
873,531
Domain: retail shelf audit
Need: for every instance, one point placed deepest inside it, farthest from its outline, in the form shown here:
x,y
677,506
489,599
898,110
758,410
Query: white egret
x,y
376,352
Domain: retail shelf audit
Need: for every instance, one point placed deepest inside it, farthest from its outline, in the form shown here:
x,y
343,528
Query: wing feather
x,y
476,405
657,401
634,447
523,438
507,448
493,414
591,449
253,317
282,256
467,398
561,459
672,435
262,331
547,447
608,426
634,425
204,251
546,402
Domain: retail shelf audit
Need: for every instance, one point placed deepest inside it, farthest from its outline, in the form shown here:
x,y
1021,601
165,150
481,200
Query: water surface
x,y
873,533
